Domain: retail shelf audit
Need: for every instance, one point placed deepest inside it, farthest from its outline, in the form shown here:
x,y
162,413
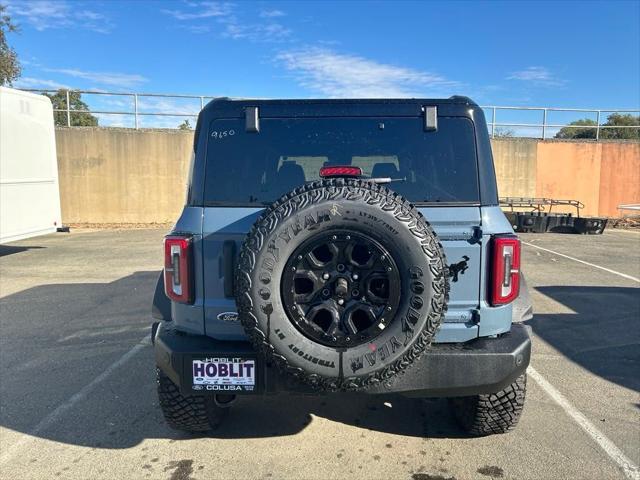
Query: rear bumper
x,y
483,365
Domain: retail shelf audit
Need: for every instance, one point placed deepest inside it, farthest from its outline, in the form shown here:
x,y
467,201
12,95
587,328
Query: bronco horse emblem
x,y
459,268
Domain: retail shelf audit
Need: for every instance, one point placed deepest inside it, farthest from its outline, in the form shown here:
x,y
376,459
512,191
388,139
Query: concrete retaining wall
x,y
122,175
137,176
515,163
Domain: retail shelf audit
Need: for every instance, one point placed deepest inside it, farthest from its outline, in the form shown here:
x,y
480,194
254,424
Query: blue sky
x,y
563,54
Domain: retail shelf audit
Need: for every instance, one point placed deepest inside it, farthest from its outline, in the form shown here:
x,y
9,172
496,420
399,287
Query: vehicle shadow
x,y
58,338
395,414
603,335
11,249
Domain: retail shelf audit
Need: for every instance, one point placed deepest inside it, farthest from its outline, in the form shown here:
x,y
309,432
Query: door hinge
x,y
476,237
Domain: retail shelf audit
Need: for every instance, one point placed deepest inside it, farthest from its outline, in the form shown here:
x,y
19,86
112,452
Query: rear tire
x,y
187,413
487,414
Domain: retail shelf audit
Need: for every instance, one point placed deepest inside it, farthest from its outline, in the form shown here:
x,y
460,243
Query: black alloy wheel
x,y
341,288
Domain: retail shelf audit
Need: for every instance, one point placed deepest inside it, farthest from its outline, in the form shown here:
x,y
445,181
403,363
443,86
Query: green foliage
x,y
59,101
613,120
10,68
568,132
185,125
618,119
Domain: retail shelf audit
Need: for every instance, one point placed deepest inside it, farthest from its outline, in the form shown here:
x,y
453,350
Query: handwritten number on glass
x,y
223,134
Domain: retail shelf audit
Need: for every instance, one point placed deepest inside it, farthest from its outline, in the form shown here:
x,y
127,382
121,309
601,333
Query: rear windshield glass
x,y
257,168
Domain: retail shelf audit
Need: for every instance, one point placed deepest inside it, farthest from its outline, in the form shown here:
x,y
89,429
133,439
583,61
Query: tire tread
x,y
492,413
191,413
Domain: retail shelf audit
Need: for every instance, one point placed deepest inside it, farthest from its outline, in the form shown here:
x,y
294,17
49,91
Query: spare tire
x,y
342,283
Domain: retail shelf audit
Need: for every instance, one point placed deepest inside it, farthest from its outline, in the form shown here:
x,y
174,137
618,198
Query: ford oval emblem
x,y
228,316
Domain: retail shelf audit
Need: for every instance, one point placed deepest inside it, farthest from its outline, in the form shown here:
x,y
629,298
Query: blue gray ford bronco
x,y
342,245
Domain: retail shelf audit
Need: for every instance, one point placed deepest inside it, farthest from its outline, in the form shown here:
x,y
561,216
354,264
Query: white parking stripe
x,y
623,275
629,468
28,437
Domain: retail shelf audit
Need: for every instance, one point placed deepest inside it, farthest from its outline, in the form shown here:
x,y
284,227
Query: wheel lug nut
x,y
389,269
340,301
348,237
334,238
326,292
355,276
325,276
299,257
340,267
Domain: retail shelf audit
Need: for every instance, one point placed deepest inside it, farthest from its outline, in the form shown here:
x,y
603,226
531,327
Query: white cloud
x,y
536,76
46,14
113,79
341,75
270,32
228,24
201,10
198,28
46,84
272,13
175,106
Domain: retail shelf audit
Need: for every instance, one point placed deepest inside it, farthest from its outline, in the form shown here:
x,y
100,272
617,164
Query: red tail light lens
x,y
177,268
340,171
505,278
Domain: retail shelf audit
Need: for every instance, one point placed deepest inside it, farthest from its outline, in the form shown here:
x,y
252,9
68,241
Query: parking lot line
x,y
630,469
8,453
623,275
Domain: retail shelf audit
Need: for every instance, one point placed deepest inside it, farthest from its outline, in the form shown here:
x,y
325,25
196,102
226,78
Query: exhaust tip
x,y
224,400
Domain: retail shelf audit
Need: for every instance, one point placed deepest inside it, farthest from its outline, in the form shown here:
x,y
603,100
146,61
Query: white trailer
x,y
29,189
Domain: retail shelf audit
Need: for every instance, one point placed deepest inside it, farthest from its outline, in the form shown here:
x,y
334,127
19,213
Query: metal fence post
x,y
201,103
493,123
135,109
68,110
544,123
598,127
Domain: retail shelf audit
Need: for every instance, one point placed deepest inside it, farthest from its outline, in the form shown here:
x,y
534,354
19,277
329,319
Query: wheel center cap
x,y
342,287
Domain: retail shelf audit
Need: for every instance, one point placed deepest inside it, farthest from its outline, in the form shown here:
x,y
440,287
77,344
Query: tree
x,y
10,68
613,120
500,132
185,125
59,101
618,119
568,132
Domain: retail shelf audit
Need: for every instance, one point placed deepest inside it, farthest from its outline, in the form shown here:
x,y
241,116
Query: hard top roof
x,y
222,102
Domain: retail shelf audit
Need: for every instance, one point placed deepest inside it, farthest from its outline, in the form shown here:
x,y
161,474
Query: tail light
x,y
505,278
178,276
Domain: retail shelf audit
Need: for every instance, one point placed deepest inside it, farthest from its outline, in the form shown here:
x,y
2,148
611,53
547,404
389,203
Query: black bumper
x,y
484,365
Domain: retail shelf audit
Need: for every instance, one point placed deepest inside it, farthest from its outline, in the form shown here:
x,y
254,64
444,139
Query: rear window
x,y
244,168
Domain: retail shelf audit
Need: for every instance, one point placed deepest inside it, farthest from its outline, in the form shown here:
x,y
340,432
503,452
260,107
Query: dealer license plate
x,y
224,374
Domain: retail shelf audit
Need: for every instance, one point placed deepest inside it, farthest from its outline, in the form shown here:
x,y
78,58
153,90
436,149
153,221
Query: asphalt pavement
x,y
77,386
